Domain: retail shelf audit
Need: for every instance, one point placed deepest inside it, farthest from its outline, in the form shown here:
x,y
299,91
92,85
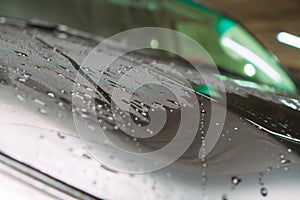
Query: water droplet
x,y
116,127
153,187
21,54
284,161
50,94
269,169
61,105
144,114
236,180
86,156
110,118
260,179
60,136
47,58
22,80
92,128
84,116
38,101
149,131
43,111
264,191
26,75
224,197
204,179
20,97
281,156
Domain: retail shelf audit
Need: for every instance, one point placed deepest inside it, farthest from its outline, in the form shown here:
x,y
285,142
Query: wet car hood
x,y
37,74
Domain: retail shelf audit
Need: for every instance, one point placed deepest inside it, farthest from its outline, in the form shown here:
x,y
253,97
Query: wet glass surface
x,y
255,157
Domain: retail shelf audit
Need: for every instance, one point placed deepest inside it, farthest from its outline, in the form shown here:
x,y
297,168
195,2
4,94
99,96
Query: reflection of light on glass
x,y
154,44
249,70
251,57
274,133
246,84
14,185
289,39
289,104
204,89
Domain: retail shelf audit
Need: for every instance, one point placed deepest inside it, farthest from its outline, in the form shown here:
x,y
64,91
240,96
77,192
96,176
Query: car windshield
x,y
240,57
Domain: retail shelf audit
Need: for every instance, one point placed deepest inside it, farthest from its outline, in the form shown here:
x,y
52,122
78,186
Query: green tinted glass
x,y
232,48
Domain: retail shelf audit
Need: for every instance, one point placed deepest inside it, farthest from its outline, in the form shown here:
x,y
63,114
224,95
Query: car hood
x,y
38,72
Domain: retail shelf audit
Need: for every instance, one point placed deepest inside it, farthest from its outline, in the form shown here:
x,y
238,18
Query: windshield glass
x,y
237,54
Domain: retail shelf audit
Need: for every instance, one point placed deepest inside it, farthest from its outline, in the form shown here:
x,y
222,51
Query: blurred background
x,y
265,19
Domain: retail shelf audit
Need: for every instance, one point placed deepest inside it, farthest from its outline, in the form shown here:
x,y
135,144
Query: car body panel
x,y
37,78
